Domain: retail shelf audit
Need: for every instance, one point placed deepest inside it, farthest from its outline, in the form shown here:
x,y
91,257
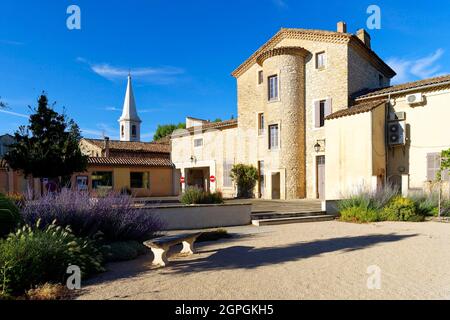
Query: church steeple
x,y
130,123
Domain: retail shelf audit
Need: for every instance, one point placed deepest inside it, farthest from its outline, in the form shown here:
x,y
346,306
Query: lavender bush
x,y
113,216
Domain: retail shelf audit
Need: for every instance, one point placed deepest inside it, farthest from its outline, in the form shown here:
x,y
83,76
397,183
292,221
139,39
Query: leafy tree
x,y
245,176
218,120
445,162
48,146
167,129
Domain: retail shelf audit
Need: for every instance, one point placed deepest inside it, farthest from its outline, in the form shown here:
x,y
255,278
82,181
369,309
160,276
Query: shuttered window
x,y
227,181
322,109
433,167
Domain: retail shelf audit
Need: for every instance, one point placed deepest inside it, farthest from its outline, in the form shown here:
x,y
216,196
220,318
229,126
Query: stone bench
x,y
160,246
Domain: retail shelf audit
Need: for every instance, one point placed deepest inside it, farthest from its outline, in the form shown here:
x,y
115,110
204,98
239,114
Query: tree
x,y
445,159
48,146
218,120
167,129
245,176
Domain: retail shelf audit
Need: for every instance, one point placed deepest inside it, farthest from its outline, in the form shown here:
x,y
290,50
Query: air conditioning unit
x,y
414,98
397,116
396,133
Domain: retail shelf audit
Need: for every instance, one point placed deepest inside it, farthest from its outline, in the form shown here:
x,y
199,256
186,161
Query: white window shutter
x,y
317,114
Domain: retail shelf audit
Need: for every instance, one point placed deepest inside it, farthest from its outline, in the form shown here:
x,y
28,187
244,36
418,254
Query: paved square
x,y
323,260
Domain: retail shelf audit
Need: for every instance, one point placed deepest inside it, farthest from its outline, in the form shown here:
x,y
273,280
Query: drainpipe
x,y
386,143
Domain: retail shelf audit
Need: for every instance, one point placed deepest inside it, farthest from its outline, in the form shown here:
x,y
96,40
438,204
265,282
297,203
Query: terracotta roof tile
x,y
142,147
207,126
315,35
356,109
406,86
135,162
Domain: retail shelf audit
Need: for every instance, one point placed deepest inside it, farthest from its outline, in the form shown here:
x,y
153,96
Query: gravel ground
x,y
323,260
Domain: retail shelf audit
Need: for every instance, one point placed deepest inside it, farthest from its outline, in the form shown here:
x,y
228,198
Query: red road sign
x,y
212,179
182,179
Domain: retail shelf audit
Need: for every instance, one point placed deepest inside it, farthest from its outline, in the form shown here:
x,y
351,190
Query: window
x,y
260,124
133,131
227,181
273,87
322,113
139,180
198,142
82,183
322,108
122,130
273,136
434,166
260,77
321,60
102,180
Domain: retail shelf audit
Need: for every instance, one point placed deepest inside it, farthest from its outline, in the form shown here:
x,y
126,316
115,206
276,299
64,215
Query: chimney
x,y
364,37
341,27
106,147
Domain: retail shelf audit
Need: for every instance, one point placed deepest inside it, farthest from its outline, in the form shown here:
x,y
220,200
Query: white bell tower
x,y
130,123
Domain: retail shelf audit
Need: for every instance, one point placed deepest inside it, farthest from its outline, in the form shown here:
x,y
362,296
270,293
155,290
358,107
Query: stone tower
x,y
130,123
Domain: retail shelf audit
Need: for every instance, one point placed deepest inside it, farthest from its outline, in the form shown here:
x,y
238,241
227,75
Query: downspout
x,y
386,146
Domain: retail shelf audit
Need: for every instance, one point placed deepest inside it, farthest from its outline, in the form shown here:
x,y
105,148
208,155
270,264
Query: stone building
x,y
284,92
319,119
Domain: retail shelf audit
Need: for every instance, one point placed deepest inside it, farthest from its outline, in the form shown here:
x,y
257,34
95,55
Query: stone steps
x,y
276,215
277,219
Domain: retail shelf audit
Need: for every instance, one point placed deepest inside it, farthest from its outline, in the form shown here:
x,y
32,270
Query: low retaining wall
x,y
330,207
202,216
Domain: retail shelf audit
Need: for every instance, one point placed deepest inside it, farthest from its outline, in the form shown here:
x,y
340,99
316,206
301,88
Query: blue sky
x,y
181,53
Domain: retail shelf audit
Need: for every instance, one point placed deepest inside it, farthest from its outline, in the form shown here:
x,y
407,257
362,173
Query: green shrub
x,y
32,257
194,195
426,203
401,209
359,215
9,216
245,177
123,251
368,200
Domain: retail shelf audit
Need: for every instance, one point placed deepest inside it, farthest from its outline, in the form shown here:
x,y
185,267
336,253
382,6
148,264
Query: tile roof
x,y
128,146
316,35
406,86
135,162
207,126
356,109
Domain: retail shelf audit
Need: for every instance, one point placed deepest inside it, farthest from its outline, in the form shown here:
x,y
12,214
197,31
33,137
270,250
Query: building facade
x,y
285,90
143,169
391,136
318,118
204,154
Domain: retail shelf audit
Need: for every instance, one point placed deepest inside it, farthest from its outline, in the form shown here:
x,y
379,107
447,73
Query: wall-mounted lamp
x,y
193,159
318,146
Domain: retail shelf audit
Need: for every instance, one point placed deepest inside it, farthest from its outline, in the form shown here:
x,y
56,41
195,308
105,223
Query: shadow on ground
x,y
245,257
